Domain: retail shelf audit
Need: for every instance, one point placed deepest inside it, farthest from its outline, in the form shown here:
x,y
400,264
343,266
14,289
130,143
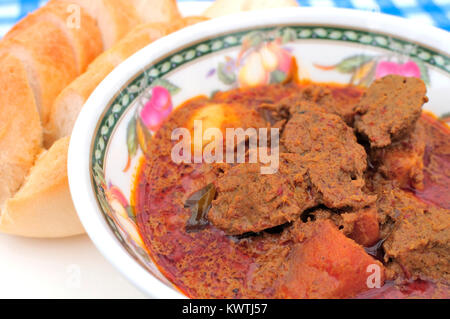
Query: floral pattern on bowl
x,y
155,106
366,68
240,59
262,59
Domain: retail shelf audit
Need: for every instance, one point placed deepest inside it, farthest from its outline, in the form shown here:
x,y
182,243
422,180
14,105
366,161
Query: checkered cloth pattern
x,y
434,12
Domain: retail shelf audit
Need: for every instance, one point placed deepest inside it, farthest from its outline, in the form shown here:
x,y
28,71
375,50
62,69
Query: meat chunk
x,y
325,165
337,187
326,264
389,109
418,244
362,225
263,201
366,230
335,100
335,161
402,161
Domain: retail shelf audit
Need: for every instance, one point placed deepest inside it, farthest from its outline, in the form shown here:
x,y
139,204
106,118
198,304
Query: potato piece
x,y
326,264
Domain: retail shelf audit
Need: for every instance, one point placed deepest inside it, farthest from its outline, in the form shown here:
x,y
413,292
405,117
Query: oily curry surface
x,y
361,189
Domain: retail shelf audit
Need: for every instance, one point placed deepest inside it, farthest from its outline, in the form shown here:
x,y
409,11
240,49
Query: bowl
x,y
330,45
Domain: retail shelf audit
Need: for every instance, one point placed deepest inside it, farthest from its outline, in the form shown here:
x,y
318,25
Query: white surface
x,y
64,268
79,174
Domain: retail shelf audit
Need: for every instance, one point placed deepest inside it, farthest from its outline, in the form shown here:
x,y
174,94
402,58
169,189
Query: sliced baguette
x,y
71,100
85,38
20,128
43,207
224,7
39,57
49,60
115,18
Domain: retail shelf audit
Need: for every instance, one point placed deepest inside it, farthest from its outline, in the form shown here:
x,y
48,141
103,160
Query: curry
x,y
359,206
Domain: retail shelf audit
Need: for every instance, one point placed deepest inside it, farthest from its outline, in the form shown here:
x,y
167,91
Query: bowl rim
x,y
79,155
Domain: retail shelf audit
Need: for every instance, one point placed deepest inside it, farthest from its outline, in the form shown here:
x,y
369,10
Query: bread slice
x,y
48,57
224,7
85,37
69,103
115,18
43,206
20,128
40,56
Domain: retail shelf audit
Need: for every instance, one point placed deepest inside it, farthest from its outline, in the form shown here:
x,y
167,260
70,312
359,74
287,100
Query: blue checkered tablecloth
x,y
435,12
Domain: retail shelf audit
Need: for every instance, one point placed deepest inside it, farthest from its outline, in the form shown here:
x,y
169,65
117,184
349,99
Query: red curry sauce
x,y
210,264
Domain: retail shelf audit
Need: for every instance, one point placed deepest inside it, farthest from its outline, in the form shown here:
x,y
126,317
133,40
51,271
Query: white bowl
x,y
189,60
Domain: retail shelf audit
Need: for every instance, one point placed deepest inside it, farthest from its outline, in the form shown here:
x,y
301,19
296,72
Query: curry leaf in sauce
x,y
199,203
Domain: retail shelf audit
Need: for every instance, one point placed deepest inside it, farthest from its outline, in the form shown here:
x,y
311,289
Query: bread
x,y
71,100
48,58
224,7
20,127
85,40
116,18
43,208
40,56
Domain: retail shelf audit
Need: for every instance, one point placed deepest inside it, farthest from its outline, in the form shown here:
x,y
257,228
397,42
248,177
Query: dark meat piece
x,y
325,264
319,134
416,235
249,201
389,109
417,246
436,162
402,161
338,187
335,161
302,137
362,226
325,167
339,101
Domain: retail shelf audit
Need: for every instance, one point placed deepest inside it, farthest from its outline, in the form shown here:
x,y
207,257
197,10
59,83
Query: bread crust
x,y
85,38
43,207
40,57
20,127
115,18
48,58
69,103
